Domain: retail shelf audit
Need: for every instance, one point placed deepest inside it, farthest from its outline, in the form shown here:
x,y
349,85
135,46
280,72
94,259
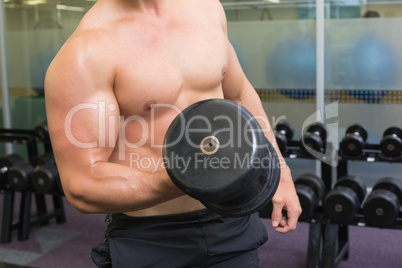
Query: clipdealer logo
x,y
199,161
108,123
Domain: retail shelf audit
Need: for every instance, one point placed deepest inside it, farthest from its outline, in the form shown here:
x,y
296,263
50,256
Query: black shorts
x,y
196,239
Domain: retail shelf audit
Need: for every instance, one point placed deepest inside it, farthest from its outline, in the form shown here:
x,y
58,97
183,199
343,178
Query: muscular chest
x,y
164,63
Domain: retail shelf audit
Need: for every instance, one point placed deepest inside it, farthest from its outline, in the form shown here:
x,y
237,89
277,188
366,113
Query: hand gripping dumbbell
x,y
284,132
391,143
383,204
19,176
310,190
6,163
354,141
341,204
315,138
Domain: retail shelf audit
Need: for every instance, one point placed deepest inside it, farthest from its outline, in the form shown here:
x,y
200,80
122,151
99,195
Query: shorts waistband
x,y
121,218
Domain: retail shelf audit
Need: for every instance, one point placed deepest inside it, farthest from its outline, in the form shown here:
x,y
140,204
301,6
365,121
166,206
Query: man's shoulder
x,y
85,52
214,9
214,6
87,42
91,33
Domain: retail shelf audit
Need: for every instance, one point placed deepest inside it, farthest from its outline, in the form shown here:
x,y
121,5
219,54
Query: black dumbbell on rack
x,y
42,131
353,143
284,132
314,138
341,204
391,143
45,179
6,163
310,190
382,206
19,176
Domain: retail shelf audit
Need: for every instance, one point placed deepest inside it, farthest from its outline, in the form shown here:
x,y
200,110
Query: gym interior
x,y
328,75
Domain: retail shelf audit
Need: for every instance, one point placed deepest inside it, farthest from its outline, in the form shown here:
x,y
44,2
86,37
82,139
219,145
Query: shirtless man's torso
x,y
118,82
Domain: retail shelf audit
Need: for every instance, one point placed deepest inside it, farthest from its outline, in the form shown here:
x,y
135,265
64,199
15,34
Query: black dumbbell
x,y
382,206
354,141
310,190
46,180
391,143
42,159
42,131
315,137
284,132
341,204
6,163
19,176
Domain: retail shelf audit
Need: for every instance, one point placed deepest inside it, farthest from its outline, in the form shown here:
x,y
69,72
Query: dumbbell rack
x,y
26,220
336,237
317,228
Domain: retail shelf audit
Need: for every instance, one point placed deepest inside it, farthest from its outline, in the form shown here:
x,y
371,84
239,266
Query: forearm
x,y
112,188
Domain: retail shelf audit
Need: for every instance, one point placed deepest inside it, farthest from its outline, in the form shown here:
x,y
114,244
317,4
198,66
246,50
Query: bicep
x,y
78,104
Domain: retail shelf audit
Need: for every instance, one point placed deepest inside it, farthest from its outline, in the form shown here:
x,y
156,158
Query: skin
x,y
136,57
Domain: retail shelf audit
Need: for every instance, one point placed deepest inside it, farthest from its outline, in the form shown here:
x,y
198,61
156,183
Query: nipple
x,y
148,105
224,70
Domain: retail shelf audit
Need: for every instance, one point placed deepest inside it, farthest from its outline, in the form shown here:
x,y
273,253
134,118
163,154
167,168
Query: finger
x,y
283,223
287,225
276,216
292,221
283,229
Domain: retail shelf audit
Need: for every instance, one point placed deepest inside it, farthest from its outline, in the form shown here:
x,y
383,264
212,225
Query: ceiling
x,y
226,3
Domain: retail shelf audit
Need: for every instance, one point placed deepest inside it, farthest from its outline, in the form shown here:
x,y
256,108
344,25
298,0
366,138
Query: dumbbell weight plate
x,y
342,202
314,138
281,140
6,163
340,205
310,190
313,141
383,204
392,184
381,208
393,131
286,128
258,193
357,128
314,182
319,128
391,143
224,149
354,141
18,177
352,145
283,133
308,201
354,183
42,131
42,159
45,178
